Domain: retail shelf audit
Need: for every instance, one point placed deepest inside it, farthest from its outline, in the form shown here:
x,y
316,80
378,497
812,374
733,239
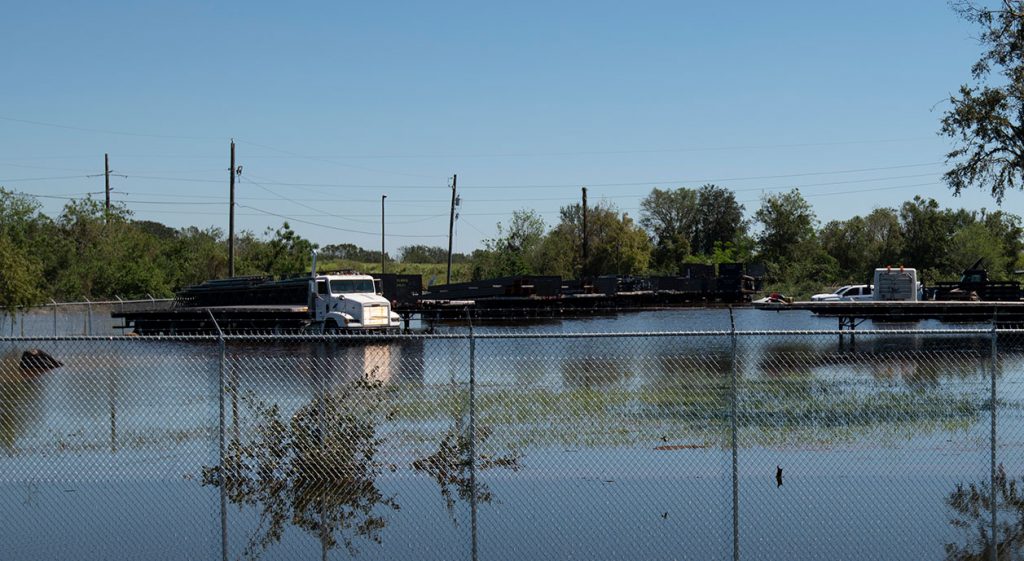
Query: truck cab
x,y
351,301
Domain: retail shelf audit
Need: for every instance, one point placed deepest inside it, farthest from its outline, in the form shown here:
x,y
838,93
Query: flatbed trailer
x,y
852,314
198,320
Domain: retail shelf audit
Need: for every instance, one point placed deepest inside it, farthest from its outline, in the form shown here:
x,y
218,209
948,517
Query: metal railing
x,y
497,445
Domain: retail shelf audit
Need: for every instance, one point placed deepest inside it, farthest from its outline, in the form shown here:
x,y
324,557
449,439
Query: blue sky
x,y
334,104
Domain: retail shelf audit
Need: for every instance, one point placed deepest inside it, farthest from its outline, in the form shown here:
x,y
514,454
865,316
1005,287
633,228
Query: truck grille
x,y
376,315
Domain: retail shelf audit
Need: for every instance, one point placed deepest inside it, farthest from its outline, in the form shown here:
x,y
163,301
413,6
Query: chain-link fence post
x,y
994,553
222,363
733,441
88,316
54,316
322,390
472,439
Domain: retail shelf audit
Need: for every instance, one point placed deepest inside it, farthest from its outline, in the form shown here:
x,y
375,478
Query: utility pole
x,y
451,228
586,246
382,197
106,176
231,215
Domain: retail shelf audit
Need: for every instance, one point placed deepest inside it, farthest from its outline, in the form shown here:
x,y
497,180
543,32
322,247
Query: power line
x,y
102,131
60,197
329,227
535,186
330,161
53,178
891,188
43,167
209,213
563,185
614,152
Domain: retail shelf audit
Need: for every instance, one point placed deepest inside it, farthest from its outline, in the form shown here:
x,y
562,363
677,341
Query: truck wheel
x,y
330,326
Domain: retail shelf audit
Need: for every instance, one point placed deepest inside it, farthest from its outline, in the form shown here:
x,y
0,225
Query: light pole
x,y
382,197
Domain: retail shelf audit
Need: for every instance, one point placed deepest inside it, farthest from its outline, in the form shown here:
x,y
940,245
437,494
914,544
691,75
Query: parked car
x,y
850,292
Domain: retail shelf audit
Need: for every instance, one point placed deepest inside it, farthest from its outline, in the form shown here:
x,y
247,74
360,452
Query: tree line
x,y
89,252
801,255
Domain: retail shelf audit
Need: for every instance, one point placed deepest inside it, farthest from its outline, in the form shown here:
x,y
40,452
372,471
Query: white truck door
x,y
320,300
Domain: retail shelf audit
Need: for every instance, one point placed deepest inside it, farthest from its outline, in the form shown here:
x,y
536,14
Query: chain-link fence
x,y
73,318
496,445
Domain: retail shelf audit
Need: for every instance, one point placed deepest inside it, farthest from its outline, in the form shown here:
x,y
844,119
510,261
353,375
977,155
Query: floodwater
x,y
616,446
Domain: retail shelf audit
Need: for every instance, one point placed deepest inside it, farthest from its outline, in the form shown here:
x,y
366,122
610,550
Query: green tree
x,y
350,252
787,223
616,244
684,221
196,255
973,242
670,216
986,120
719,219
26,242
1008,229
105,255
19,278
424,254
285,253
514,250
926,230
861,244
885,237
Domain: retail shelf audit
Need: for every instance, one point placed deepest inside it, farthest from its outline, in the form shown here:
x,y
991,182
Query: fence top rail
x,y
253,337
53,304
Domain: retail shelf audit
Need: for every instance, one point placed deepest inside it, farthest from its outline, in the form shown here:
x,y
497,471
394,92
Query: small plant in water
x,y
972,505
316,471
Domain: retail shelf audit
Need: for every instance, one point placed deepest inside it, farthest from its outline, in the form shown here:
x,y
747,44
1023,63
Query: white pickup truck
x,y
850,292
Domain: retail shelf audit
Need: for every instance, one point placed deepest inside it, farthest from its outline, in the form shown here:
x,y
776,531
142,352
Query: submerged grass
x,y
794,411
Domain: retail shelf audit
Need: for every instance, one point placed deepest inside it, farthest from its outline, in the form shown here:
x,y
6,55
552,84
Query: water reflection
x,y
20,398
972,508
594,372
293,367
317,471
451,466
687,386
910,367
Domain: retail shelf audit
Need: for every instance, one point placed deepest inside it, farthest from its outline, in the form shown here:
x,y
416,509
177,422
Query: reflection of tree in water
x,y
973,507
594,372
451,467
316,471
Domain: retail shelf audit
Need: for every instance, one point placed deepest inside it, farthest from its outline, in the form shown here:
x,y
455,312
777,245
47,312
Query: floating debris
x,y
37,361
682,447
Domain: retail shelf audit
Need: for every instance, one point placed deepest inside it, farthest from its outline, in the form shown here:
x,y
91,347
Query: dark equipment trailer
x,y
197,320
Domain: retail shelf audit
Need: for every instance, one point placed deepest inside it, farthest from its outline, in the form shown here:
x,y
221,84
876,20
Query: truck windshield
x,y
351,286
